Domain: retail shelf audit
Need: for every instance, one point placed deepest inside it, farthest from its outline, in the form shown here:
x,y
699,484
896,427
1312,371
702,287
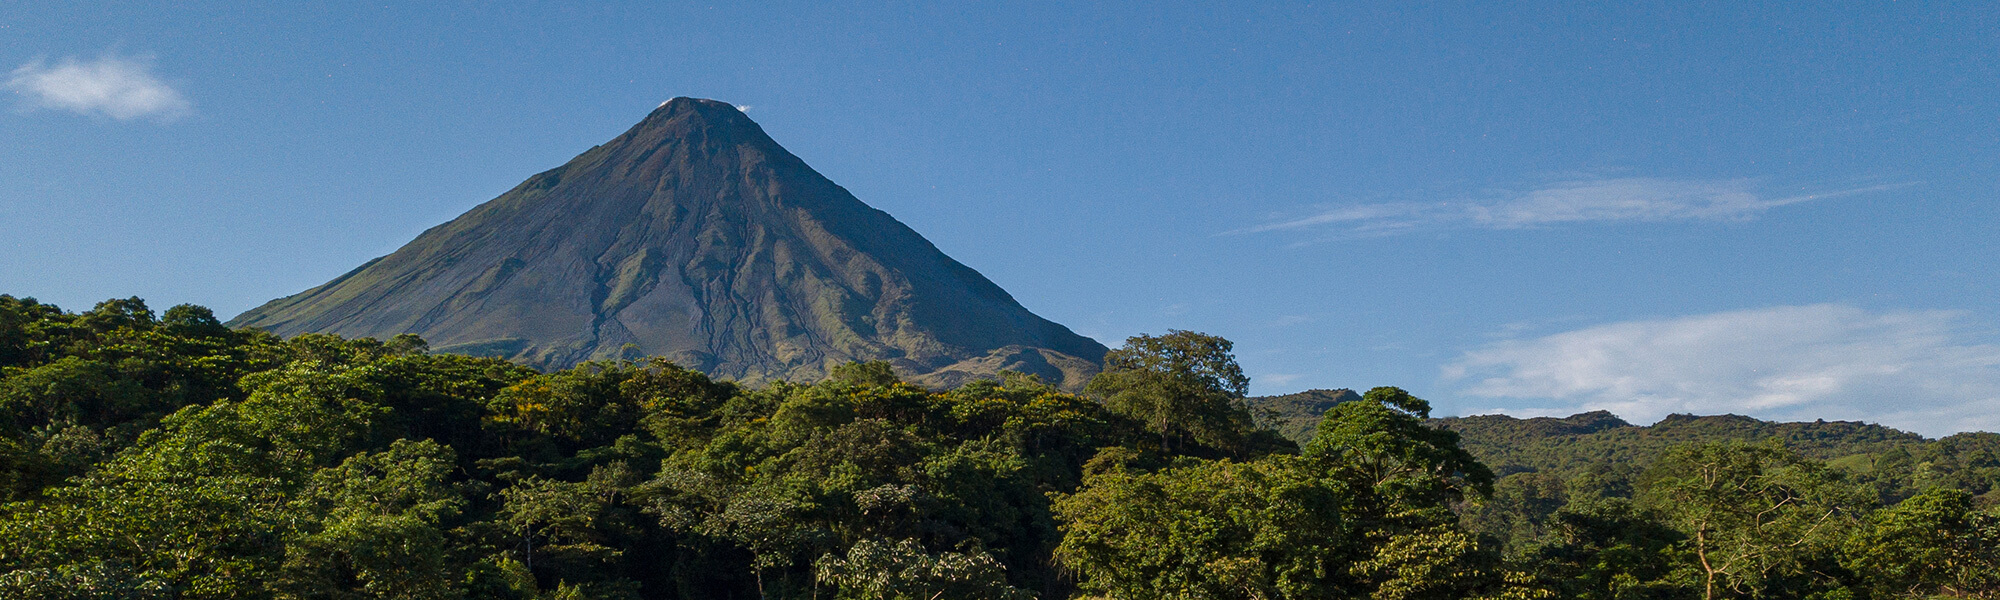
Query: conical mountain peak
x,y
711,112
682,116
696,236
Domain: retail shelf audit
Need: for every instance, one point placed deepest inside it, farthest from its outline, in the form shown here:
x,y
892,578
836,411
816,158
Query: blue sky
x,y
1537,208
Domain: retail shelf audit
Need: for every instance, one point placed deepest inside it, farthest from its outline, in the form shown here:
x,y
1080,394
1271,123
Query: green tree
x,y
110,315
1599,548
679,405
1402,477
1933,544
568,410
1402,469
1521,511
563,527
1358,516
378,528
81,581
903,570
1185,386
1433,563
1265,529
1758,517
871,373
188,320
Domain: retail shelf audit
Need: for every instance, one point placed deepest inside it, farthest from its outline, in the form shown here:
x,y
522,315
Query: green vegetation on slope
x,y
168,456
1893,464
1296,416
1577,442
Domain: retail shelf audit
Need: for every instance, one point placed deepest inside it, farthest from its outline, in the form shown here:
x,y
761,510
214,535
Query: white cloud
x,y
1364,214
1590,200
1911,370
112,86
1630,199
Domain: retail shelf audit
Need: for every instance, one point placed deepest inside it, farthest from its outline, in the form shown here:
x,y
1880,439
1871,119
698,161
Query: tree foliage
x,y
1185,386
904,570
1364,512
169,457
1933,544
1756,517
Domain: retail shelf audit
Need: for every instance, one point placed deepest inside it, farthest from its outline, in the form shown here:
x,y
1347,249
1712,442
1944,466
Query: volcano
x,y
696,237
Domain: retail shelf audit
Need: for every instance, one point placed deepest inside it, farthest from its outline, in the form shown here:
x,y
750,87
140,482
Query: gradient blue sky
x,y
1539,208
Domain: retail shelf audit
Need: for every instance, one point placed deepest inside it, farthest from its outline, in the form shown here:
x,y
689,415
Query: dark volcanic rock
x,y
693,236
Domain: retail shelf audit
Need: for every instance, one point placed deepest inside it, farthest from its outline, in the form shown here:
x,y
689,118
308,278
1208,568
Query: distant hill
x,y
1509,444
1892,462
1568,444
1295,415
697,237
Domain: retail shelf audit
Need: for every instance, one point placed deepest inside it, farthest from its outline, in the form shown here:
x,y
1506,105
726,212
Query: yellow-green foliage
x,y
168,457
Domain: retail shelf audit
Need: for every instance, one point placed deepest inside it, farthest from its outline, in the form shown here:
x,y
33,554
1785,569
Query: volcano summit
x,y
696,237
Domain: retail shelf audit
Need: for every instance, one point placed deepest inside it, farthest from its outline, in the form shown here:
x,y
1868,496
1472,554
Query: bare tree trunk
x,y
1701,550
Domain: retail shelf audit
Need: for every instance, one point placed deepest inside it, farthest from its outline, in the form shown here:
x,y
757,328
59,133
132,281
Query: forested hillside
x,y
150,455
1296,416
1893,464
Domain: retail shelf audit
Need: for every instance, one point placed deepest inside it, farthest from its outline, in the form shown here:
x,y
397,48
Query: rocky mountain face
x,y
693,236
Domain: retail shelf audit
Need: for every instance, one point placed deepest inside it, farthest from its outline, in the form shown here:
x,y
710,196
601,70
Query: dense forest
x,y
148,455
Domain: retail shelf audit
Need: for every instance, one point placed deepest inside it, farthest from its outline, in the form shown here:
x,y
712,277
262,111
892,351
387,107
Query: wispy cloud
x,y
1364,214
113,86
1578,201
1912,370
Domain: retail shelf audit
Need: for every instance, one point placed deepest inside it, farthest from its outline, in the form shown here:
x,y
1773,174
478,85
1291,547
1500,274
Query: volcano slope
x,y
696,237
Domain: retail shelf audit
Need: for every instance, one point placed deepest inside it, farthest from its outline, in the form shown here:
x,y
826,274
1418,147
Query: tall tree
x,y
1599,548
1185,386
1757,516
1264,529
1403,467
1933,544
1365,512
374,529
903,570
